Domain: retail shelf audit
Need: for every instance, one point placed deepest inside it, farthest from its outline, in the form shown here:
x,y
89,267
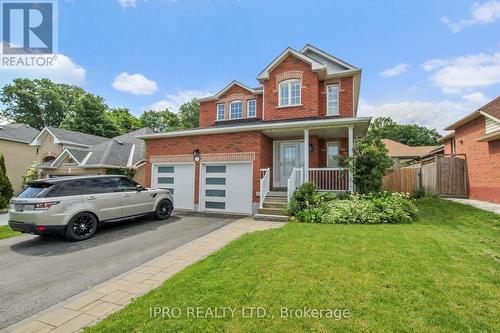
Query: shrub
x,y
306,197
6,191
31,174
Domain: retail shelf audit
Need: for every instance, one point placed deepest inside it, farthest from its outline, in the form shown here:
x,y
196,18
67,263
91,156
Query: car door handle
x,y
126,195
91,198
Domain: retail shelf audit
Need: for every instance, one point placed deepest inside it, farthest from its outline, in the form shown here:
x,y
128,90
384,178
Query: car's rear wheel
x,y
163,209
81,226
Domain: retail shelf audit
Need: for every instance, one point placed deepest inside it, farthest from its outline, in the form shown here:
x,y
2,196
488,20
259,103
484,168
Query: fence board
x,y
401,180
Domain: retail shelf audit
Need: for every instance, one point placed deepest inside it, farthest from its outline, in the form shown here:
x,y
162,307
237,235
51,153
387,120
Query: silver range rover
x,y
75,206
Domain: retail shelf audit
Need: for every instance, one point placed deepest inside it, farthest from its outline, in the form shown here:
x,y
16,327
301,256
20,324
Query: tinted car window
x,y
125,183
36,190
99,185
66,188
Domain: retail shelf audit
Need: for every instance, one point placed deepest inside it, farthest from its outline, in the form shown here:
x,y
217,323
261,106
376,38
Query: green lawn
x,y
440,274
6,232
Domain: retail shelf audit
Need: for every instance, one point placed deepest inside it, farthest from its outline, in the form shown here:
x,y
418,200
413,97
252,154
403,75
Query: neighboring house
x,y
63,153
401,153
303,116
19,155
477,135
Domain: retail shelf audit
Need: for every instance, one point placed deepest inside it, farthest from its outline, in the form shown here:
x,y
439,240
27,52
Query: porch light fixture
x,y
196,155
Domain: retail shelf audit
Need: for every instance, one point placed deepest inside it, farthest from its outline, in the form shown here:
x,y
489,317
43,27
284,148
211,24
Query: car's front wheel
x,y
81,226
163,209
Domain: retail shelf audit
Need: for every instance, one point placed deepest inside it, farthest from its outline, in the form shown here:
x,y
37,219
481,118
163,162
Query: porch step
x,y
272,211
274,204
276,194
274,218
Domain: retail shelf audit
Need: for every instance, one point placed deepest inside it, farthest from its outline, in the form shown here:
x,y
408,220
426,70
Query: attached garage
x,y
178,179
226,187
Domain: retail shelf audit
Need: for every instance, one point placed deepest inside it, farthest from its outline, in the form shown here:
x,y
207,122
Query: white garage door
x,y
179,180
227,187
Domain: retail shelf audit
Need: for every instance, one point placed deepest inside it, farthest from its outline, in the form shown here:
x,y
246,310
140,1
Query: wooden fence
x,y
444,175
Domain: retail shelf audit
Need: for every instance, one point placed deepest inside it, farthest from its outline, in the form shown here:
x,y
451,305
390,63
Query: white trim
x,y
86,158
490,116
230,111
289,83
263,101
248,107
328,111
265,126
131,156
306,155
217,111
350,152
309,47
315,66
225,89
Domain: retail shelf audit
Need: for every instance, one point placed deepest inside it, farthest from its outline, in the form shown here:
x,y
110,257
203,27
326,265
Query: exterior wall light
x,y
196,155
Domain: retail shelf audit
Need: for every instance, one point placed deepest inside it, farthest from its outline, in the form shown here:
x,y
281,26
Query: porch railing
x,y
296,179
329,179
265,185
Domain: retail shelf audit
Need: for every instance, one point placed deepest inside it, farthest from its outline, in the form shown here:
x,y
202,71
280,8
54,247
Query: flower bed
x,y
310,206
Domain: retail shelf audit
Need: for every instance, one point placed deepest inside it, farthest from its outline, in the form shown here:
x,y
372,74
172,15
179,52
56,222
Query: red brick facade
x,y
483,160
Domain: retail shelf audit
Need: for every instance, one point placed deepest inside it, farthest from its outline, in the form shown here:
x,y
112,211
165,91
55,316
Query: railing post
x,y
350,147
306,155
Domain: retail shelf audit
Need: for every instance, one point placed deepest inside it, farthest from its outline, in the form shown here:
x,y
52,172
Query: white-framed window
x,y
333,154
221,111
236,108
251,108
332,99
289,93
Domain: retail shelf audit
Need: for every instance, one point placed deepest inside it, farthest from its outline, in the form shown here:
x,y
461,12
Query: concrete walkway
x,y
489,206
93,305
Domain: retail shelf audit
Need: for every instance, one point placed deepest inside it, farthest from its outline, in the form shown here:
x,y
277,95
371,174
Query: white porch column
x,y
351,144
306,155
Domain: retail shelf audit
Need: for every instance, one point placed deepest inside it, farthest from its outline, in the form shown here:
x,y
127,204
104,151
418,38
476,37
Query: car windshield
x,y
35,190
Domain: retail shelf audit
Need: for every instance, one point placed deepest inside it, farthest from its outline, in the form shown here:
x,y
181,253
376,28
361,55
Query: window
x,y
289,93
216,181
236,109
215,193
125,184
453,146
333,155
99,185
216,168
64,189
216,205
165,180
166,169
34,190
251,108
221,111
333,99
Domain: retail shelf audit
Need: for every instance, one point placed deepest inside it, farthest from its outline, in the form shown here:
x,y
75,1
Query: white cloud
x,y
63,70
173,102
477,97
487,12
395,71
136,84
462,73
432,114
127,3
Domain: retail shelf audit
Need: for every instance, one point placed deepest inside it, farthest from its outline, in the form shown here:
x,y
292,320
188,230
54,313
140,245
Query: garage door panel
x,y
178,179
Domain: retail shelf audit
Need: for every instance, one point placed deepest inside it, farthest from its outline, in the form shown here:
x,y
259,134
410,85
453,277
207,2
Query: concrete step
x,y
276,194
274,218
272,211
274,204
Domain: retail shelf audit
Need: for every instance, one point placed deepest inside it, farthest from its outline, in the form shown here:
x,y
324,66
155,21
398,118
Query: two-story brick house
x,y
253,142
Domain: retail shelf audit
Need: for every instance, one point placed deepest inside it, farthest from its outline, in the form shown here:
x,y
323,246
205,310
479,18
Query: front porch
x,y
309,154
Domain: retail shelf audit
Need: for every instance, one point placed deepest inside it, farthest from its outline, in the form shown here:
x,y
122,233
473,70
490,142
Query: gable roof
x,y
233,83
490,110
397,149
72,138
124,151
18,133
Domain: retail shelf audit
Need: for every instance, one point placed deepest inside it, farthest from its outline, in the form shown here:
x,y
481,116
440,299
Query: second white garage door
x,y
226,187
178,179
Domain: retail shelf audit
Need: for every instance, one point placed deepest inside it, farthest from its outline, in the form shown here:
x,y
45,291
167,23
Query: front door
x,y
290,157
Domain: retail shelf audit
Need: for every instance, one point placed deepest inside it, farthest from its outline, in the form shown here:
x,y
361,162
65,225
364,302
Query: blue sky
x,y
426,62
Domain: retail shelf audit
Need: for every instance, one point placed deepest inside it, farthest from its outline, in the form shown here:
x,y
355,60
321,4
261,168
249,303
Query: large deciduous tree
x,y
160,121
124,120
408,134
189,115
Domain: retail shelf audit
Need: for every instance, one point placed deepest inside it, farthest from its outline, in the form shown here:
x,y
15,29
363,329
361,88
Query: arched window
x,y
236,109
48,159
289,93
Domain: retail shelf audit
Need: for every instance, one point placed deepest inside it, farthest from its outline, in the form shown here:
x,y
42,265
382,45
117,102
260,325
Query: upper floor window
x,y
220,111
236,109
251,108
289,93
332,99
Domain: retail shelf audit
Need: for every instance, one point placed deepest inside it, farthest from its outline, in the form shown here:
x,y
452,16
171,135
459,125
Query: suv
x,y
74,206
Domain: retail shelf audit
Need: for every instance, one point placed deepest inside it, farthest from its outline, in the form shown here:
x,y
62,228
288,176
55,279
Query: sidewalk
x,y
489,206
95,304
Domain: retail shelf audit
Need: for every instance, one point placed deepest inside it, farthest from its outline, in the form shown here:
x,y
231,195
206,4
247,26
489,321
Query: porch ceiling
x,y
323,131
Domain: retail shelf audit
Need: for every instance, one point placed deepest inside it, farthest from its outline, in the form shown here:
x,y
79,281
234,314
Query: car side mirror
x,y
140,188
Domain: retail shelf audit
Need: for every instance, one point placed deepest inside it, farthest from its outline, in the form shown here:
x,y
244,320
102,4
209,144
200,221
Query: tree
x,y
90,116
189,114
369,164
31,174
408,134
38,103
6,191
160,121
124,120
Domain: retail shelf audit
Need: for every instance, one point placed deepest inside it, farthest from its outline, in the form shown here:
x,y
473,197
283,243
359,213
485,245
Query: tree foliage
x,y
31,174
369,164
189,115
408,134
6,191
124,120
160,121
